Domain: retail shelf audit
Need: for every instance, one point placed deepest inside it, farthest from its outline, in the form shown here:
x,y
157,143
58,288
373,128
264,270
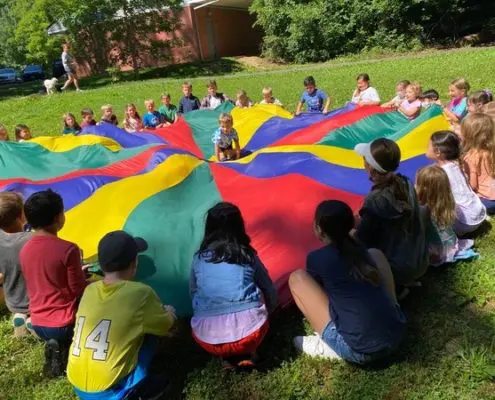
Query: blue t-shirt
x,y
315,101
187,104
152,119
365,315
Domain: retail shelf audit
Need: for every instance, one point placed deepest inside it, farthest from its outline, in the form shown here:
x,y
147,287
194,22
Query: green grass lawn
x,y
449,349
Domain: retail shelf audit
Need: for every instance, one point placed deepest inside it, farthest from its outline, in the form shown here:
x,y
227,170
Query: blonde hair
x,y
416,87
212,83
126,113
106,107
149,101
461,84
489,109
478,131
11,206
267,90
226,117
434,190
164,95
4,132
188,84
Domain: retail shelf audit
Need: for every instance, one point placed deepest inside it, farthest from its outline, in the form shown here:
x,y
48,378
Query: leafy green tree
x,y
315,30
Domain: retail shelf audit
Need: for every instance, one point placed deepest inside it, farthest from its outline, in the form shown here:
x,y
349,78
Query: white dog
x,y
50,85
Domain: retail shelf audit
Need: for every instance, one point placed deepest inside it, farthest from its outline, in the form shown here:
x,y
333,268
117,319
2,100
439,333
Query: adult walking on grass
x,y
68,63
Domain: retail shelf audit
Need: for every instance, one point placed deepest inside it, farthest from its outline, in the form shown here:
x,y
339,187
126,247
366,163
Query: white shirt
x,y
369,95
468,206
214,102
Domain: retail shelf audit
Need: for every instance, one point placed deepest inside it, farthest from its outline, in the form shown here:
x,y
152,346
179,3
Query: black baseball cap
x,y
118,249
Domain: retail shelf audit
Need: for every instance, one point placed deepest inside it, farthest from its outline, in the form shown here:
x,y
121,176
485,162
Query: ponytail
x,y
357,258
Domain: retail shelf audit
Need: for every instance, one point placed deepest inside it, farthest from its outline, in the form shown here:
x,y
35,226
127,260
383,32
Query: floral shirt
x,y
225,140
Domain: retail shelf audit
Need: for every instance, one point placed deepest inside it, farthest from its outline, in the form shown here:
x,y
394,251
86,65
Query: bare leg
x,y
68,82
76,82
311,299
385,272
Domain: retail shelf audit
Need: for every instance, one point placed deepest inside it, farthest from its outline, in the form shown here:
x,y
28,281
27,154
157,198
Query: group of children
x,y
106,333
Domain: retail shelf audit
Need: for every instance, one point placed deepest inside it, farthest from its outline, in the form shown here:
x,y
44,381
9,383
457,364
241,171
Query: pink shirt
x,y
408,106
480,170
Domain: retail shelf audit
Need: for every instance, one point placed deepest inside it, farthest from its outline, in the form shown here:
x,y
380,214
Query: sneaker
x,y
20,328
54,365
315,347
79,90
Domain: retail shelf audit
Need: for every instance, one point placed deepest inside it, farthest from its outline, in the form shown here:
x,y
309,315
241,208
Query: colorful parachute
x,y
159,185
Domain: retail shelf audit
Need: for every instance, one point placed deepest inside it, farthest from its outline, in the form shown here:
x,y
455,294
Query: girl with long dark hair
x,y
232,293
347,294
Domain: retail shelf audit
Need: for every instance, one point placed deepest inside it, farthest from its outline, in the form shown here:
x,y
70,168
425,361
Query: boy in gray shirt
x,y
12,239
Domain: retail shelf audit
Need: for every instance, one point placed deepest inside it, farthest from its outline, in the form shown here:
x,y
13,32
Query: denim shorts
x,y
334,339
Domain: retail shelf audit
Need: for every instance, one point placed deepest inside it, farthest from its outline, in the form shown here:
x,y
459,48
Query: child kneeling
x,y
117,328
231,290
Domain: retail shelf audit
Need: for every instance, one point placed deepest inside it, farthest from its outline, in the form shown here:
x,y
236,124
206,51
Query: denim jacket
x,y
224,288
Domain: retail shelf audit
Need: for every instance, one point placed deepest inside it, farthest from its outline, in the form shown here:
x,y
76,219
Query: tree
x,y
102,31
121,31
316,30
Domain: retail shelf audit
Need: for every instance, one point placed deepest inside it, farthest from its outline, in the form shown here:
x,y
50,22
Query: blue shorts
x,y
122,388
489,204
334,339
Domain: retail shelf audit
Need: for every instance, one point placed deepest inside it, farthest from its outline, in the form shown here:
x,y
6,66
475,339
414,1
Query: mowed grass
x,y
449,349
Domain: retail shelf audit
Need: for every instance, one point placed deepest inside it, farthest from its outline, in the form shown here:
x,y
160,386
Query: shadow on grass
x,y
222,66
186,71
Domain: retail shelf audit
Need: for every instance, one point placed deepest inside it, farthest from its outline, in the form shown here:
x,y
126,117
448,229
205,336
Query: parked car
x,y
33,72
8,75
58,68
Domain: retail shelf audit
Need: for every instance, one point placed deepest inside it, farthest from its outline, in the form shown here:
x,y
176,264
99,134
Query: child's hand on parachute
x,y
171,311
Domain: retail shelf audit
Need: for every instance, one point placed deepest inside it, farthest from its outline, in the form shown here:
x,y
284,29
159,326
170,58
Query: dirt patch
x,y
259,63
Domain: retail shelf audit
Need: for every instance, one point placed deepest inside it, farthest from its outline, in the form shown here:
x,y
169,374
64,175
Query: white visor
x,y
364,149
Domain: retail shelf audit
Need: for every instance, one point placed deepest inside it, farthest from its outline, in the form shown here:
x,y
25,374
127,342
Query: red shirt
x,y
54,279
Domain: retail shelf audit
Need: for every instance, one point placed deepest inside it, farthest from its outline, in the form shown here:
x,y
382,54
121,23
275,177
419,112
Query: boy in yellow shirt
x,y
117,326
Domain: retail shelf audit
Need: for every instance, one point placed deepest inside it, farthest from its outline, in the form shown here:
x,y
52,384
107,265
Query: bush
x,y
316,30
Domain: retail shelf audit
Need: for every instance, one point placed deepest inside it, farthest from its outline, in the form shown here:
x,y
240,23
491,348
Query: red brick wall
x,y
231,31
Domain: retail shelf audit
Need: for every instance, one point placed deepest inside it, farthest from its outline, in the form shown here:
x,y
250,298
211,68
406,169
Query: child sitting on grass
x,y
316,100
4,134
434,193
22,133
214,98
478,131
429,97
87,116
457,108
118,324
225,138
12,239
411,105
268,97
132,120
232,293
152,119
365,94
70,125
477,100
188,102
400,95
347,294
167,109
54,277
108,116
390,218
243,100
445,148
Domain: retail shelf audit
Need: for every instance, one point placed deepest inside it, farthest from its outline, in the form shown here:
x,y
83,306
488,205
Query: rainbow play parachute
x,y
159,185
